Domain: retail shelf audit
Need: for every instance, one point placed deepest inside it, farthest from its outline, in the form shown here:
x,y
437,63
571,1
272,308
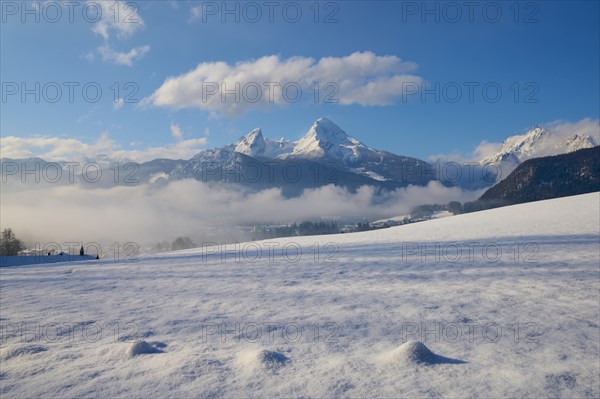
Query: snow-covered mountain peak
x,y
325,139
576,142
324,127
325,131
253,144
537,142
526,144
255,135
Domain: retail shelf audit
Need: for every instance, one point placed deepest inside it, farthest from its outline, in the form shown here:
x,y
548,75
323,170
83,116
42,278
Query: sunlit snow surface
x,y
512,327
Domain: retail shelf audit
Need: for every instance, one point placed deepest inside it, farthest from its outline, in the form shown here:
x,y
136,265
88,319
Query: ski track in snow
x,y
363,305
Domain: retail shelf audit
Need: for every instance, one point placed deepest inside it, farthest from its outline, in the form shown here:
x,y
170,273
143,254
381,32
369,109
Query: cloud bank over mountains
x,y
51,148
189,207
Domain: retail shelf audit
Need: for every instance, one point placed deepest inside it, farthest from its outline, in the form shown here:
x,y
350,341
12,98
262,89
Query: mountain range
x,y
326,154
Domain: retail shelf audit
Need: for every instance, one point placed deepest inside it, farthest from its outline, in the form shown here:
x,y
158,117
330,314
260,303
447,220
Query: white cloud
x,y
89,56
120,17
559,131
482,150
60,149
176,131
486,149
195,13
84,117
118,104
360,78
564,129
184,149
121,58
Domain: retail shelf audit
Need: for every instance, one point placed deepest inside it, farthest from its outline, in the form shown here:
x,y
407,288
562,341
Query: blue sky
x,y
372,51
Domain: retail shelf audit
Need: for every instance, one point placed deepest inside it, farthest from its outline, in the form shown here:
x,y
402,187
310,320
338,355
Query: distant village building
x,y
31,252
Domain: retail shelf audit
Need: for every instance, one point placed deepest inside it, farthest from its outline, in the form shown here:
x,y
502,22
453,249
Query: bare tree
x,y
10,245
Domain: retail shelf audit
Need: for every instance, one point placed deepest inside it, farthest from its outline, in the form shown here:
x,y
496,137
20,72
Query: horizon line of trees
x,y
305,228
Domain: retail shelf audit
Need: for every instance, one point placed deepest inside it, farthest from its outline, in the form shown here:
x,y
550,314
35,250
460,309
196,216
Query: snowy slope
x,y
524,323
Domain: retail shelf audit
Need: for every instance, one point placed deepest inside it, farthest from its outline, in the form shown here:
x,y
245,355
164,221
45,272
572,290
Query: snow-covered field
x,y
507,298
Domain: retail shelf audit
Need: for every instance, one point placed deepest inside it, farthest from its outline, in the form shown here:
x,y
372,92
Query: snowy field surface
x,y
501,303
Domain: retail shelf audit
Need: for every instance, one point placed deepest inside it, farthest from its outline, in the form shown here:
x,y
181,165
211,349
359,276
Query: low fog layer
x,y
145,215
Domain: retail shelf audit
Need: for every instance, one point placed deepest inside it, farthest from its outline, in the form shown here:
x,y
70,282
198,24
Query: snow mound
x,y
416,353
412,352
21,350
263,359
144,348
